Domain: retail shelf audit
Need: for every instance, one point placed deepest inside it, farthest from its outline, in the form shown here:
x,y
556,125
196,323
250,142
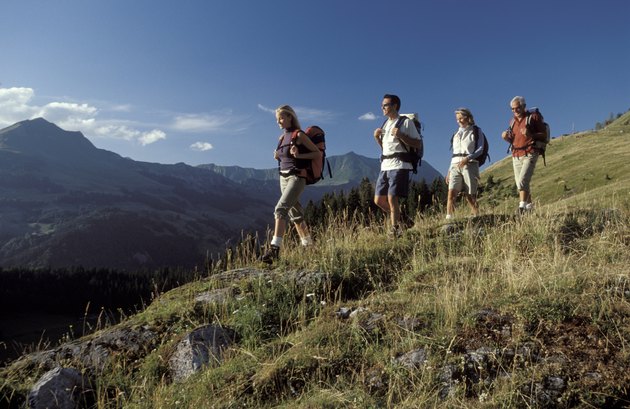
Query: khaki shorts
x,y
524,170
464,178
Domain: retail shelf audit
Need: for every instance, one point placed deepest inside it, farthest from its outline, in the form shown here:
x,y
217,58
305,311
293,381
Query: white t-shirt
x,y
392,145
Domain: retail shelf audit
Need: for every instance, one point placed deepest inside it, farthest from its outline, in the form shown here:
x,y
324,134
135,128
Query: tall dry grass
x,y
295,350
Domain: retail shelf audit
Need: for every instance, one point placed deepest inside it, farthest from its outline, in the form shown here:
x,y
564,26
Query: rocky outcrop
x,y
60,388
200,348
93,353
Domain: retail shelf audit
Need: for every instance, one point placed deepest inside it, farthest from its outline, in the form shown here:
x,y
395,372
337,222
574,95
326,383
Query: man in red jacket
x,y
525,129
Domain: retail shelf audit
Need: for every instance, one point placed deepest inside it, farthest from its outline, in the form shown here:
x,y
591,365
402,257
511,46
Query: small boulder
x,y
60,388
413,359
202,347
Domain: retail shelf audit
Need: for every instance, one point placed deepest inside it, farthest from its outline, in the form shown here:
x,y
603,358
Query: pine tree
x,y
439,191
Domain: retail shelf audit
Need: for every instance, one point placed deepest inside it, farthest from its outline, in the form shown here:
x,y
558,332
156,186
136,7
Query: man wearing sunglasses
x,y
525,129
395,137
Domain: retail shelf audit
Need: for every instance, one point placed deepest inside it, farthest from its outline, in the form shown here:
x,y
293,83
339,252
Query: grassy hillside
x,y
496,311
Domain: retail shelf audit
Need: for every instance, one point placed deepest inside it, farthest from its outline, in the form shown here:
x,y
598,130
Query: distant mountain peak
x,y
39,137
36,124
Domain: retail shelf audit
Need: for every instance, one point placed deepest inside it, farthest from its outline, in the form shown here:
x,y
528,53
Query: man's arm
x,y
378,135
409,141
408,134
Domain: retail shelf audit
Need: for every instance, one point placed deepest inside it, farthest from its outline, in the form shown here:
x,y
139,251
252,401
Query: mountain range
x,y
347,172
64,202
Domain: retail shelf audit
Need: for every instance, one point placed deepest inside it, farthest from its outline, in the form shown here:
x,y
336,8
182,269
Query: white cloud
x,y
15,96
367,117
112,130
63,109
315,115
152,136
16,104
201,146
201,123
266,109
102,119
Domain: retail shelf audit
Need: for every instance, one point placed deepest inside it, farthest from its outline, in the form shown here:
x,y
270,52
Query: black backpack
x,y
485,155
413,155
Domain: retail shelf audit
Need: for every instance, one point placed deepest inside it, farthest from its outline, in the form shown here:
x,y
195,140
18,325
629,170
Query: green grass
x,y
549,294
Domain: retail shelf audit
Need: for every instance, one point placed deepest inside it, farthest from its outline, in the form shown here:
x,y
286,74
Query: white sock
x,y
276,241
449,216
307,241
522,205
529,206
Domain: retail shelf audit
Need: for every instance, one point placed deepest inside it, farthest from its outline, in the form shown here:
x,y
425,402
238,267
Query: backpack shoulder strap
x,y
476,131
401,120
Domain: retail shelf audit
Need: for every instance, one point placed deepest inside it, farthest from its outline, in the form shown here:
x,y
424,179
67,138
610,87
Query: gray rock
x,y
413,359
447,377
343,313
367,320
59,388
593,376
376,381
212,297
310,279
231,276
546,393
202,347
449,228
93,353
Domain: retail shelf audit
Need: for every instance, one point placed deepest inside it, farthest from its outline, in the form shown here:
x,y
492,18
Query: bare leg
x,y
450,203
383,203
302,229
280,227
525,196
394,206
472,201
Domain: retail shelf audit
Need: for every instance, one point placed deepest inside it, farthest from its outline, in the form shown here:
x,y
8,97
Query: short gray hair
x,y
520,100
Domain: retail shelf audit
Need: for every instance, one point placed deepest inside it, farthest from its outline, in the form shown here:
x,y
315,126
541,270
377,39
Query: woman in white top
x,y
463,174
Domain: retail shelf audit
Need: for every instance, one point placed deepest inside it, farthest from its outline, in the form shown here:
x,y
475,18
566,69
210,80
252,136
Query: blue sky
x,y
197,81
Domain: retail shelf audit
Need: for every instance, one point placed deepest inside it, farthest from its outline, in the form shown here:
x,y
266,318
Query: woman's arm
x,y
303,139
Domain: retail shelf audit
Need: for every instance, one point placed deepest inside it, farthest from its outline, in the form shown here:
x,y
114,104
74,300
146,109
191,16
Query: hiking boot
x,y
272,254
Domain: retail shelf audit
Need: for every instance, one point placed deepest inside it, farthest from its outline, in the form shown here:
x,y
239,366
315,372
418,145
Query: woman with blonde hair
x,y
294,147
467,145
